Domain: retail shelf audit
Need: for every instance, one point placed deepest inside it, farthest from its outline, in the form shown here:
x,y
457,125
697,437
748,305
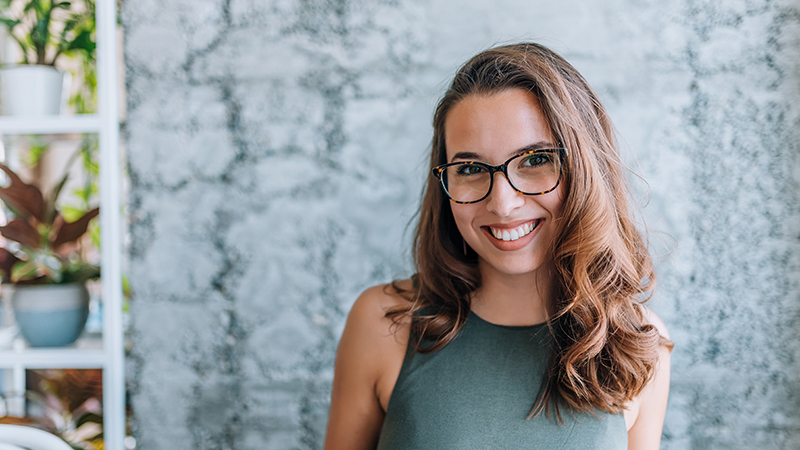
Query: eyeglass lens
x,y
528,173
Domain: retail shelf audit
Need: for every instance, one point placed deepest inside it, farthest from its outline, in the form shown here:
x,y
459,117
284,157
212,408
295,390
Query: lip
x,y
508,246
509,225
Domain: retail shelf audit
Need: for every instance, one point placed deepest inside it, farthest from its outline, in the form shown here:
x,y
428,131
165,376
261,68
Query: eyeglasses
x,y
533,172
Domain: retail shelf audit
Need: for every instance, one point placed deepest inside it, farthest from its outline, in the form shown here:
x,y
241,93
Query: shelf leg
x,y
16,397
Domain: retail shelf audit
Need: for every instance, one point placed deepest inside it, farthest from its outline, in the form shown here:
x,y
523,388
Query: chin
x,y
512,266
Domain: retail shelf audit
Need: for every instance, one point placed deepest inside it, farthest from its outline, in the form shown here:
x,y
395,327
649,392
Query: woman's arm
x,y
368,361
651,405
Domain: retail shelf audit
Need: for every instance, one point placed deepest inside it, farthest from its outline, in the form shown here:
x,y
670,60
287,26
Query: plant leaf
x,y
23,44
80,272
35,281
22,231
83,41
84,432
21,196
71,231
34,4
7,261
9,23
89,417
63,42
24,270
50,211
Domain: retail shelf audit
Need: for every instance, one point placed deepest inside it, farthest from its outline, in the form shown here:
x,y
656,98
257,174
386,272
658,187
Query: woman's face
x,y
492,129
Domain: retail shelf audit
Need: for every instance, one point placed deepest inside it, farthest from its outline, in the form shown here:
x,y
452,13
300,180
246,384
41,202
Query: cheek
x,y
556,209
463,216
556,203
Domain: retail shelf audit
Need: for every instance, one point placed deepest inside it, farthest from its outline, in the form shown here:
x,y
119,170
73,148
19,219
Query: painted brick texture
x,y
277,151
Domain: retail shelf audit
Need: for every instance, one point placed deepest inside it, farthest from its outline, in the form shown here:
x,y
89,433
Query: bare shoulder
x,y
654,320
382,340
368,361
645,416
369,310
369,334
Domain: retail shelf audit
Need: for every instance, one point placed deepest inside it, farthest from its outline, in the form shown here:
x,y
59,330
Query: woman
x,y
523,326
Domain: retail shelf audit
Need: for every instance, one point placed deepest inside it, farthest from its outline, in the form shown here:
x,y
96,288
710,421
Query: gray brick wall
x,y
277,150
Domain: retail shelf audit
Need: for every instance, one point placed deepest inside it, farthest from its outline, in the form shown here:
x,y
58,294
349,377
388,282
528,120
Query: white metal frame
x,y
110,357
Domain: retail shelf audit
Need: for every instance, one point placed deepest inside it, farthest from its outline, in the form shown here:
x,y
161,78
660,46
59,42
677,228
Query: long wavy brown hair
x,y
604,349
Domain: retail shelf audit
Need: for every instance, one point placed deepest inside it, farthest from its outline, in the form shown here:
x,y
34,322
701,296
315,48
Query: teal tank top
x,y
476,393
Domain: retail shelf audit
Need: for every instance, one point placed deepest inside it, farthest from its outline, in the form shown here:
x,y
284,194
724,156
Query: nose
x,y
503,199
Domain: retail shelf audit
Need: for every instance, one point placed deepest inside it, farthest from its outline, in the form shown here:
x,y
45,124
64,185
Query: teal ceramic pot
x,y
50,315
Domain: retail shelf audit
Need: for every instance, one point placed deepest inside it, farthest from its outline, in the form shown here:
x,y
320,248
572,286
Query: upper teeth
x,y
514,233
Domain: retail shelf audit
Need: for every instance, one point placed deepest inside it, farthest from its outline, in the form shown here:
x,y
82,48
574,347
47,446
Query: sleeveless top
x,y
477,391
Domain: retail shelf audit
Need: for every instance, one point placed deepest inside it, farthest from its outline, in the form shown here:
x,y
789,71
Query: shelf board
x,y
86,353
53,359
78,123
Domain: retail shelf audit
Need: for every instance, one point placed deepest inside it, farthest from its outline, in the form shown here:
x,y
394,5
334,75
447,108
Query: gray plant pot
x,y
50,315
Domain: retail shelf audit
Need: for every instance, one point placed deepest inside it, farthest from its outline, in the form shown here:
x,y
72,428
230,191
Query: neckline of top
x,y
508,327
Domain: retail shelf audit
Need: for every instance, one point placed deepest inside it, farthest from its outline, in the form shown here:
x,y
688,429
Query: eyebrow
x,y
471,156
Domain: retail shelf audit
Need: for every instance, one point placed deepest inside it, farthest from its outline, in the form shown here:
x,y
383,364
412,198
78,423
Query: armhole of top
x,y
404,367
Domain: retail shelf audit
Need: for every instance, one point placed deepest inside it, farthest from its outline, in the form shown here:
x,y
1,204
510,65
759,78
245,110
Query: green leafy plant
x,y
43,247
47,29
84,98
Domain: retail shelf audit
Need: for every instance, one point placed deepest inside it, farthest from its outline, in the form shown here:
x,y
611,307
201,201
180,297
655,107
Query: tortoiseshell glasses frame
x,y
533,172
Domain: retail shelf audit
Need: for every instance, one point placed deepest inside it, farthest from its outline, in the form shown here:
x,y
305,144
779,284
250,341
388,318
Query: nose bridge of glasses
x,y
503,197
502,169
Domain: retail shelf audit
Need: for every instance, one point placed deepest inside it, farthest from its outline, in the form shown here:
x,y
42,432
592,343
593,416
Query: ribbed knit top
x,y
476,393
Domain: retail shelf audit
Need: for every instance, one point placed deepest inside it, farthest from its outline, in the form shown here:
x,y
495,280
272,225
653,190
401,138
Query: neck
x,y
514,300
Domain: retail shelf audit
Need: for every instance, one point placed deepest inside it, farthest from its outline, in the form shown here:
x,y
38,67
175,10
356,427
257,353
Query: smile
x,y
505,234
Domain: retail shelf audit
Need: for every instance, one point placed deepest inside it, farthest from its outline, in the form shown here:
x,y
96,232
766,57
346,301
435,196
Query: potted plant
x,y
49,299
44,30
65,403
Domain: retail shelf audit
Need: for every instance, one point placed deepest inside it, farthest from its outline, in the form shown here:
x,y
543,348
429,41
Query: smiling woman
x,y
492,127
523,326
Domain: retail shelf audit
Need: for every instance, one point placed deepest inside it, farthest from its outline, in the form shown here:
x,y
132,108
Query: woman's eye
x,y
469,169
537,159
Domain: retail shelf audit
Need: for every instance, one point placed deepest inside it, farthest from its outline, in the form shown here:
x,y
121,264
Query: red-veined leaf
x,y
70,231
7,261
22,231
21,196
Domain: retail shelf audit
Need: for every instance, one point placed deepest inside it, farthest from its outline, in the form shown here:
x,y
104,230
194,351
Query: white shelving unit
x,y
82,123
107,352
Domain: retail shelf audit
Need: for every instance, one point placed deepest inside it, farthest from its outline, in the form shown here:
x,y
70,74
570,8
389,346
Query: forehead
x,y
495,126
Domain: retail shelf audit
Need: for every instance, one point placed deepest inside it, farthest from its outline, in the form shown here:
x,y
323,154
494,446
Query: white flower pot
x,y
50,315
29,90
